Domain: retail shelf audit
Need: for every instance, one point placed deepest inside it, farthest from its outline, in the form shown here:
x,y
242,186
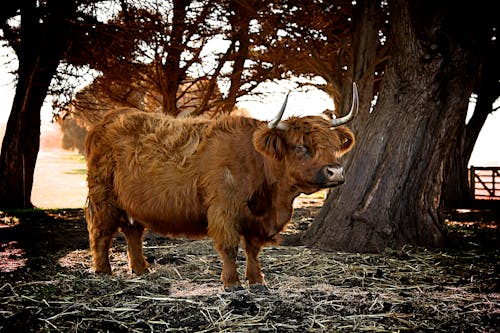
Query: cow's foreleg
x,y
134,233
226,240
229,275
253,269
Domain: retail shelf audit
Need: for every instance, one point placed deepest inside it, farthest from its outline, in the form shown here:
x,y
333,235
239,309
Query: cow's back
x,y
147,163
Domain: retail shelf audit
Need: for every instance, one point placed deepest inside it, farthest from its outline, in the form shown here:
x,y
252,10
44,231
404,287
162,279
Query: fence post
x,y
472,182
493,190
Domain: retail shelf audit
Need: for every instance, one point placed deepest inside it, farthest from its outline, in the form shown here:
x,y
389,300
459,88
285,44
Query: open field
x,y
59,180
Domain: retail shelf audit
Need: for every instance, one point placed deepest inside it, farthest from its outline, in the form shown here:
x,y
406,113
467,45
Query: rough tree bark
x,y
22,136
240,22
171,72
39,52
391,196
366,25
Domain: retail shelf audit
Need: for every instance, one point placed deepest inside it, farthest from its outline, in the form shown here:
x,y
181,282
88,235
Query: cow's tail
x,y
89,140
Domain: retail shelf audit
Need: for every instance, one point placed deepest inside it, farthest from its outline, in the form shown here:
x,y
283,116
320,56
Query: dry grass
x,y
310,291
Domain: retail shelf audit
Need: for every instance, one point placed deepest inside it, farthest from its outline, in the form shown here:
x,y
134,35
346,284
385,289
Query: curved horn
x,y
275,122
354,109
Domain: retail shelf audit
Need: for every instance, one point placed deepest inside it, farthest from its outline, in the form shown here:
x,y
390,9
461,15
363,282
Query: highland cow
x,y
230,178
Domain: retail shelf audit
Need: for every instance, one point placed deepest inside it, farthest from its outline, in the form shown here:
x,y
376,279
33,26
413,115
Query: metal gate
x,y
485,182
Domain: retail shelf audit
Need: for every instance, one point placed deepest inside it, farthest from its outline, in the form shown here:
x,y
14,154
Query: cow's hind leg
x,y
101,225
253,271
133,233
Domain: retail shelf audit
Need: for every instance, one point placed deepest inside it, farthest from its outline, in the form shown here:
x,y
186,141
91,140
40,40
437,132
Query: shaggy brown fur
x,y
230,178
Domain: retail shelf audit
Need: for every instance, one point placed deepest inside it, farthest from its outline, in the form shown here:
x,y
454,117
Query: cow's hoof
x,y
103,271
232,289
259,289
140,271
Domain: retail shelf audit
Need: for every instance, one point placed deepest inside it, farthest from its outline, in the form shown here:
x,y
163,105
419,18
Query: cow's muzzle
x,y
330,175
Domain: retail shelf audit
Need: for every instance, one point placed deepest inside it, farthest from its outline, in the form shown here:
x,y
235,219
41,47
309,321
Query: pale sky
x,y
486,152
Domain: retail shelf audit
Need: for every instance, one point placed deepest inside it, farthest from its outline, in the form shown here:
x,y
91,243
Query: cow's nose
x,y
332,174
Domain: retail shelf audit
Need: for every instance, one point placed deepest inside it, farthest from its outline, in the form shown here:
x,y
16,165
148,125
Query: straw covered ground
x,y
46,284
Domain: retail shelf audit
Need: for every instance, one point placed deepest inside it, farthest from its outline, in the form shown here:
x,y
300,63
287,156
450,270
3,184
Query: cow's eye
x,y
300,149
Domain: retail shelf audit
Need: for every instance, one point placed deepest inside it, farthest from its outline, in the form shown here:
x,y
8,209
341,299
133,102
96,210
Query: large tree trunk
x,y
19,150
391,196
171,73
456,192
22,136
366,25
39,54
240,23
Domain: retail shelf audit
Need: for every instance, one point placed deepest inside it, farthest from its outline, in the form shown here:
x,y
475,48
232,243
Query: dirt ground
x,y
46,283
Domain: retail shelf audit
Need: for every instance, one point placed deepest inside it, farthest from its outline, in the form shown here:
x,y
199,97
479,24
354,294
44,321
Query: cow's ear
x,y
269,142
346,139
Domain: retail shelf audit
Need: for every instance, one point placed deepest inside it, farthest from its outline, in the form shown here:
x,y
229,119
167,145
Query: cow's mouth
x,y
316,186
331,184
